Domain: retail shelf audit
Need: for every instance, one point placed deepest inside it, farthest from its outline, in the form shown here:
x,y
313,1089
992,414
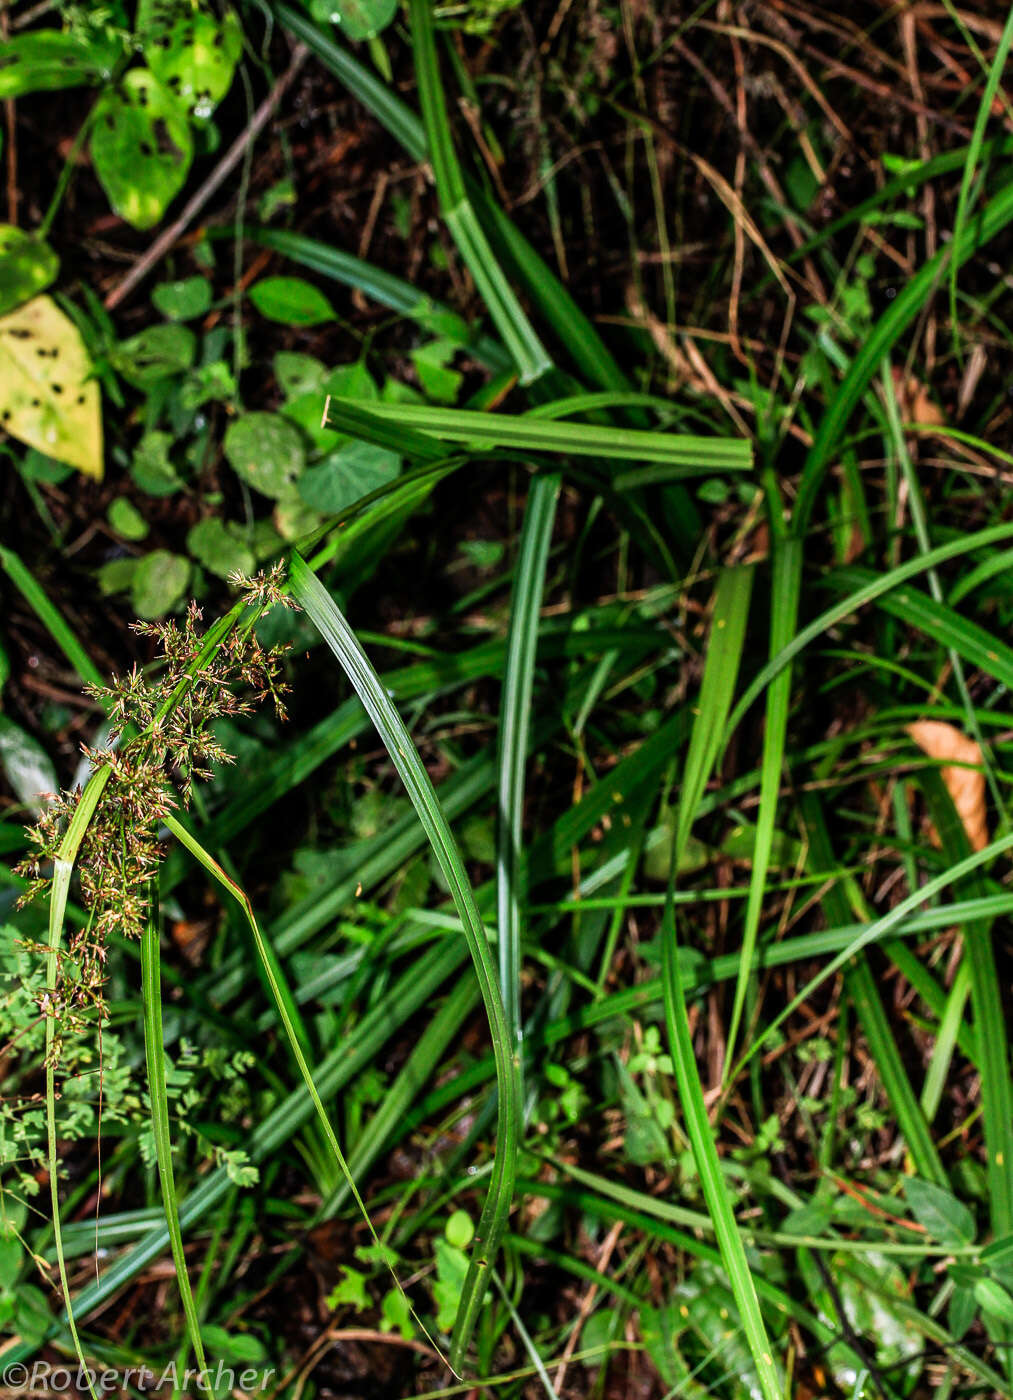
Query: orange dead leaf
x,y
966,785
914,402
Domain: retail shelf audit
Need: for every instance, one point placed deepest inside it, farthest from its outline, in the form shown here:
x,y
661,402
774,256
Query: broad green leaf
x,y
216,545
32,1319
238,1346
142,147
191,51
879,1313
962,1311
37,466
439,382
298,374
352,381
358,19
126,519
156,353
994,1299
293,519
47,398
184,299
291,300
117,575
27,766
151,468
11,1258
27,266
47,59
267,452
943,1216
159,582
346,475
396,1314
350,1292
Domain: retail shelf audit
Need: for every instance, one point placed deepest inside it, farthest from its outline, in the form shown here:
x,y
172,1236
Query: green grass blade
x,y
861,985
382,287
515,329
50,616
514,727
880,928
283,1002
887,330
325,615
869,592
154,1051
382,1128
974,155
728,630
939,621
535,433
784,590
557,306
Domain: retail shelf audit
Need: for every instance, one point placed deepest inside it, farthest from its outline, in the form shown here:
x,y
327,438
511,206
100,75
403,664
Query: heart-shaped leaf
x,y
191,51
183,300
27,266
348,474
47,398
48,59
142,147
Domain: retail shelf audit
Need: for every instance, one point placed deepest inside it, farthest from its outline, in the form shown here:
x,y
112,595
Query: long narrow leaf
x,y
325,615
535,433
514,726
731,608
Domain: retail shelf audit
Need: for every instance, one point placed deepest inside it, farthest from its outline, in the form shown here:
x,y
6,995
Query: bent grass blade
x,y
324,613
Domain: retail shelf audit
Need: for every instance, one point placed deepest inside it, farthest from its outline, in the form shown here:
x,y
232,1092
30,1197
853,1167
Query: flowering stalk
x,y
162,729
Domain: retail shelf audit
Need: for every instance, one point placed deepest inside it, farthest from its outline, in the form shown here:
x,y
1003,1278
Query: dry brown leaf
x,y
966,786
914,402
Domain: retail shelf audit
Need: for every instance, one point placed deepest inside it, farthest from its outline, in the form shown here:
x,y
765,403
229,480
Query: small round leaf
x,y
267,452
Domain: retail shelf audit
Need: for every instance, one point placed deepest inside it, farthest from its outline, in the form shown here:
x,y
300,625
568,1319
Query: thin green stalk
x,y
724,653
919,519
974,154
268,963
154,1050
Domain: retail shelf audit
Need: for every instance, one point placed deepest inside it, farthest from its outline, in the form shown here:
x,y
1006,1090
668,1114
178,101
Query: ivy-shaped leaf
x,y
48,59
142,147
47,397
27,266
190,50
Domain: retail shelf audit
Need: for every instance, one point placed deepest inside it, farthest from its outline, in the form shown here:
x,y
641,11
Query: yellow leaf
x,y
47,399
966,786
